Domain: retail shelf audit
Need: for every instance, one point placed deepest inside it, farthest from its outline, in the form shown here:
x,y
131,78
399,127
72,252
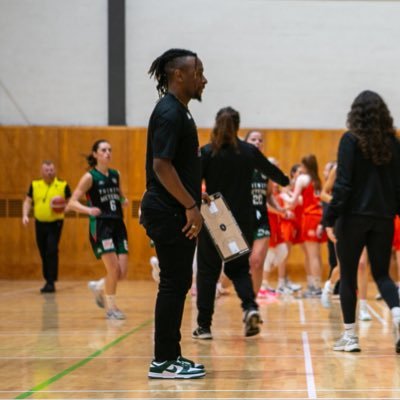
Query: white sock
x,y
363,304
327,286
264,284
310,280
350,329
110,301
281,282
396,314
100,283
317,282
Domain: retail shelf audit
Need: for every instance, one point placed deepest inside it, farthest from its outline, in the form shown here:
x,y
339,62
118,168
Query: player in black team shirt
x,y
108,235
170,206
228,164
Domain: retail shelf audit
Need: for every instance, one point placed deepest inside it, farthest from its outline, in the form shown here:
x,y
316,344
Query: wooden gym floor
x,y
59,346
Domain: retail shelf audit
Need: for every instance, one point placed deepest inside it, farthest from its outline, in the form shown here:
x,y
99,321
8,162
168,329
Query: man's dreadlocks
x,y
163,65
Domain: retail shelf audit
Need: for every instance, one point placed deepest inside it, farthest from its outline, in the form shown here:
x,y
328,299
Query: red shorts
x,y
309,226
276,234
396,236
291,232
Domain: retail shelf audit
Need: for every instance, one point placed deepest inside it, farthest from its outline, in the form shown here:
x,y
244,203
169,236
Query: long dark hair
x,y
370,121
227,122
91,159
164,65
311,163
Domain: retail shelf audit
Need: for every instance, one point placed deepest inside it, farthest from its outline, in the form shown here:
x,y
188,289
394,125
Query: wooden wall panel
x,y
22,149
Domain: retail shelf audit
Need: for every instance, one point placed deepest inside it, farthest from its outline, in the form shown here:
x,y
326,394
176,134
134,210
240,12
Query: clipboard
x,y
223,228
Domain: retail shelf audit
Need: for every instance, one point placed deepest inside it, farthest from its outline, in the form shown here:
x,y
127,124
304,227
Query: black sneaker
x,y
252,321
190,362
174,370
202,333
48,288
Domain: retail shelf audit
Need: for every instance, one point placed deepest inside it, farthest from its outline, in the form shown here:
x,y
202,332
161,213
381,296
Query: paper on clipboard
x,y
223,228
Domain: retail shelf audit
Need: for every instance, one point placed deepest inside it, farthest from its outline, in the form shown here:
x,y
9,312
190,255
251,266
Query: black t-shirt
x,y
230,172
172,135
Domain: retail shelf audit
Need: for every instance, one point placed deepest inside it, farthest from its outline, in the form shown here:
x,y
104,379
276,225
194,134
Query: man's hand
x,y
25,220
194,223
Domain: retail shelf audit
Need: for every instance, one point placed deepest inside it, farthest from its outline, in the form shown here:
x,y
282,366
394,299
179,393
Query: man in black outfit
x,y
170,206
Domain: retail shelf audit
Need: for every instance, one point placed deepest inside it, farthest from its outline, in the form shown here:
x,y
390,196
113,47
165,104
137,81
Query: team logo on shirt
x,y
101,183
114,180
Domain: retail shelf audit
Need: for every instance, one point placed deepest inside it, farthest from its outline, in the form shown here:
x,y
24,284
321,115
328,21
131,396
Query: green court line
x,y
81,363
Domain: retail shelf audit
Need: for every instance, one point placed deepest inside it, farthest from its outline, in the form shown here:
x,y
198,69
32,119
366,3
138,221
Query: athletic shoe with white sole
x,y
97,292
252,321
202,333
190,362
347,343
294,287
114,313
326,299
174,370
364,315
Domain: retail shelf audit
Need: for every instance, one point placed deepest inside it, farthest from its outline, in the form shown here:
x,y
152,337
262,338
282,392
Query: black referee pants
x,y
48,236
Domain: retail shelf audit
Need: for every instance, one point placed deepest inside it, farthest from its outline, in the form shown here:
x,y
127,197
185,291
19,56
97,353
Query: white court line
x,y
180,384
301,312
312,394
102,357
378,317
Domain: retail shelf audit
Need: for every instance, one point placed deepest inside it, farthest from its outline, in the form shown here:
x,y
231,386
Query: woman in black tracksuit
x,y
366,197
227,167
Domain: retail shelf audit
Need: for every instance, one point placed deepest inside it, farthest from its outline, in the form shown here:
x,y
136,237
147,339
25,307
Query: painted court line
x,y
378,317
212,390
312,393
301,312
81,363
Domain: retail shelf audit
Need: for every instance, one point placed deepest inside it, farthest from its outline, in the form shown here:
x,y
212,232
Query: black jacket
x,y
230,172
361,187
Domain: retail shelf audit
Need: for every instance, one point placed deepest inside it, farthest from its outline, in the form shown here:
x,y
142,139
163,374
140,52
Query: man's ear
x,y
178,75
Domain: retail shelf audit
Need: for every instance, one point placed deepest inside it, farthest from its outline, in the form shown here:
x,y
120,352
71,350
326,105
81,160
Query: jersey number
x,y
257,199
113,206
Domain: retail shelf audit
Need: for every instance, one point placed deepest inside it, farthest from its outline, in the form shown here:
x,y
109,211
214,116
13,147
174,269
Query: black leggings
x,y
209,267
353,233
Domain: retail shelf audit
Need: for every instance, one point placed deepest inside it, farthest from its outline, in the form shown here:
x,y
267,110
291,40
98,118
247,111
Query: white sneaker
x,y
155,269
326,300
294,287
116,314
347,343
252,321
364,315
284,290
97,292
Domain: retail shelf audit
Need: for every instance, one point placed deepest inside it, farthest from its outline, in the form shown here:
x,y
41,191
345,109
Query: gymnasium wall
x,y
23,149
282,63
